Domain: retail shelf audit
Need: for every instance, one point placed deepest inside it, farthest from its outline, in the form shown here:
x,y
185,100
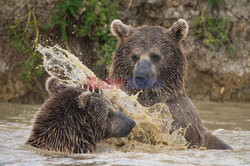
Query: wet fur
x,y
171,68
60,125
73,120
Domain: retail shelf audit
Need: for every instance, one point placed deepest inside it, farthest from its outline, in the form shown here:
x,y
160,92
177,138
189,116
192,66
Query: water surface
x,y
229,121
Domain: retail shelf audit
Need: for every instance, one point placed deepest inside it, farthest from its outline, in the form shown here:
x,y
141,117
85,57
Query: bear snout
x,y
122,125
140,81
144,75
132,124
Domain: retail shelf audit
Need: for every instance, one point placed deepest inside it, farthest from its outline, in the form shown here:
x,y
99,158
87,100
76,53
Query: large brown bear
x,y
73,120
150,59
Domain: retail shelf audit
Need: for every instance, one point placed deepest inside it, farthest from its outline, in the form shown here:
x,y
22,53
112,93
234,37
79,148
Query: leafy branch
x,y
21,39
87,18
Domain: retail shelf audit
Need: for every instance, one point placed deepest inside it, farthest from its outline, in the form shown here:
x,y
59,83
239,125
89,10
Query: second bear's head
x,y
95,110
148,54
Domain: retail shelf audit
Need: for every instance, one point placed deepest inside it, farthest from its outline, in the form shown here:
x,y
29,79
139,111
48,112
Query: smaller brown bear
x,y
73,120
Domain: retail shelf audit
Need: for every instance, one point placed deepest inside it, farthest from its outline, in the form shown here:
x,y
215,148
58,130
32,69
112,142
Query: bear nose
x,y
132,124
144,74
140,80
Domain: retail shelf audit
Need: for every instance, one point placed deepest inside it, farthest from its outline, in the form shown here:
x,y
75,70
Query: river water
x,y
229,121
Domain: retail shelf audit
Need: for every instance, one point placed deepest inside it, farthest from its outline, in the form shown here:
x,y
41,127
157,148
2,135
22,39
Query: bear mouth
x,y
140,83
125,133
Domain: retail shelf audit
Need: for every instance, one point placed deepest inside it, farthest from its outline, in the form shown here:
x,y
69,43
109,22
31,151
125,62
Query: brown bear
x,y
73,120
150,60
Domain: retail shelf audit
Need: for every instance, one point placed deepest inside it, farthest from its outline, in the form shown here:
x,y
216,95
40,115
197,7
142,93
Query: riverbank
x,y
217,75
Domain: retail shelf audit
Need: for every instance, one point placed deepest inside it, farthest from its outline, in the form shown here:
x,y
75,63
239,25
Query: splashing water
x,y
152,124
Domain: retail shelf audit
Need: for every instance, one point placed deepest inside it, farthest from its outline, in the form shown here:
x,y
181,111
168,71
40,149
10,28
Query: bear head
x,y
73,120
150,58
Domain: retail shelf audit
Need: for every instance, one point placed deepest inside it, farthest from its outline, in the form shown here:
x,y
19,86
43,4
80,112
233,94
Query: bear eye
x,y
135,57
111,114
155,57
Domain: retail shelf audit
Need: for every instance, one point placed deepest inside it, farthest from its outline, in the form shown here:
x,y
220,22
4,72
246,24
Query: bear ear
x,y
119,29
84,98
54,86
179,29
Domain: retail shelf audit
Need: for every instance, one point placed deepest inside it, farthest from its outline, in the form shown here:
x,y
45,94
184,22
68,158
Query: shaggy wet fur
x,y
139,43
73,120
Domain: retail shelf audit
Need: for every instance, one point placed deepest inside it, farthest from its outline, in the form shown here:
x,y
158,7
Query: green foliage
x,y
212,30
232,50
214,3
62,15
106,51
87,18
21,39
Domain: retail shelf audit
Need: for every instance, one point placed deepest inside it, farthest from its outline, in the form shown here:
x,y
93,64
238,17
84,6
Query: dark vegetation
x,y
25,40
212,29
90,19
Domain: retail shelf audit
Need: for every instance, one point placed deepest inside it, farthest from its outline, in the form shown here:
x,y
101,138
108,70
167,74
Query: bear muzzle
x,y
122,125
144,75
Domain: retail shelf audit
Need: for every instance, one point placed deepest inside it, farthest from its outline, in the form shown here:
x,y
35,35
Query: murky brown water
x,y
229,121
